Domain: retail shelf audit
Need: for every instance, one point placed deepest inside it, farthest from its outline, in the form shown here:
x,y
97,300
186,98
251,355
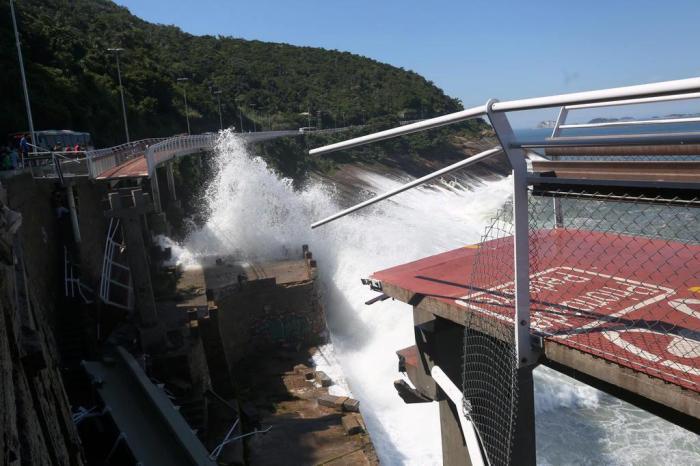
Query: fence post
x,y
516,157
524,438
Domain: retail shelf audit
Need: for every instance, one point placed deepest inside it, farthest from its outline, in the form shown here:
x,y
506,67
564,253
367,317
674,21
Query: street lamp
x,y
24,78
254,116
218,99
184,91
116,51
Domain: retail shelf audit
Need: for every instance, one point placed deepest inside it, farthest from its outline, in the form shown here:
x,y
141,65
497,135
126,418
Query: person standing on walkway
x,y
24,149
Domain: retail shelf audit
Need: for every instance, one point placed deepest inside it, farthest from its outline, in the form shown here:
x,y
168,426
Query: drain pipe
x,y
73,213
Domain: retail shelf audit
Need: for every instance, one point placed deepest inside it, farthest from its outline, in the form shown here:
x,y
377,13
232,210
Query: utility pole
x,y
24,78
255,129
187,112
116,51
221,121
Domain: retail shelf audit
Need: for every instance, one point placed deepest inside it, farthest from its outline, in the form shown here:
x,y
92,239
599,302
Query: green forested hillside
x,y
73,79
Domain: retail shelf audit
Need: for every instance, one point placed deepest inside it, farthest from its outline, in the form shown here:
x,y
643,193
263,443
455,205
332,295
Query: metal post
x,y
24,77
516,157
218,99
240,117
73,213
187,112
558,214
121,90
171,180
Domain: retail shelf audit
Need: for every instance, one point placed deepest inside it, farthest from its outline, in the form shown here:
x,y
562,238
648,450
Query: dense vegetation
x,y
73,79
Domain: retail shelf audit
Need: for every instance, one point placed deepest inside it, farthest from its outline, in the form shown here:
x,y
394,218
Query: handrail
x,y
651,121
177,146
644,100
422,125
101,160
450,168
576,98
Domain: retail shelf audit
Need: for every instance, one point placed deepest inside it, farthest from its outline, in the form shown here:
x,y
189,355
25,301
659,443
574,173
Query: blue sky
x,y
474,50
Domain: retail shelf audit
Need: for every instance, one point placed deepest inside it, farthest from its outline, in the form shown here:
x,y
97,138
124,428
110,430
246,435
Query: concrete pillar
x,y
171,180
447,353
155,191
440,342
73,213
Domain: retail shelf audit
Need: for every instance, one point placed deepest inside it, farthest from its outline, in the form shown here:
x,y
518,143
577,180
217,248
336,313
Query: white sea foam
x,y
255,214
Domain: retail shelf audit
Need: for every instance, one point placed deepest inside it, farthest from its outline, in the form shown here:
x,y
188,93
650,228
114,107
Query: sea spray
x,y
255,214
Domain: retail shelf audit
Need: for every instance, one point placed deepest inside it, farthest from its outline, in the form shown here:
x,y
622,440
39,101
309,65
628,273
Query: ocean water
x,y
254,214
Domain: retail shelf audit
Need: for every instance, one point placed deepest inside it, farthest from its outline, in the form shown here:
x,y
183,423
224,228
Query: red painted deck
x,y
135,167
630,300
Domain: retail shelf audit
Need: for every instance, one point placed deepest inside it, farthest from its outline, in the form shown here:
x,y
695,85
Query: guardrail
x,y
60,164
101,160
176,147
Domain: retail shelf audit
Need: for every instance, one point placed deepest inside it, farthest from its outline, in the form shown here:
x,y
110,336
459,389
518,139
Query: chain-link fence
x,y
615,276
619,278
490,364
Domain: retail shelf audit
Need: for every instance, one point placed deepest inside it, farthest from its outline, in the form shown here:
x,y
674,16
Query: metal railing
x,y
60,164
497,114
177,146
101,160
507,283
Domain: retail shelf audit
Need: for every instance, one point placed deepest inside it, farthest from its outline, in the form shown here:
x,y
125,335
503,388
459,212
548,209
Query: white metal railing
x,y
564,113
101,160
513,148
176,147
57,164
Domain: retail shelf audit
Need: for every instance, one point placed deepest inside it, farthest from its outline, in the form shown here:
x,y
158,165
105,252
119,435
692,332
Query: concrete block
x,y
351,405
332,401
352,424
323,379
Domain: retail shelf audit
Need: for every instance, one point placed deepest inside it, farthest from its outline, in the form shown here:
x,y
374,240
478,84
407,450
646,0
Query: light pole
x,y
24,78
218,99
184,91
254,115
116,51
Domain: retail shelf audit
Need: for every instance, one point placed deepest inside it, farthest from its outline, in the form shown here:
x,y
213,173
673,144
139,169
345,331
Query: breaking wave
x,y
255,214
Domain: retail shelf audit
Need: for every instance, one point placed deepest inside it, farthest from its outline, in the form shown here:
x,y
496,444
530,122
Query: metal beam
x,y
521,246
403,130
645,100
450,168
618,140
455,395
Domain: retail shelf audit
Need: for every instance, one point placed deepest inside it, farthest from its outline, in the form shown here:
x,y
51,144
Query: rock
x,y
332,401
323,379
352,425
351,405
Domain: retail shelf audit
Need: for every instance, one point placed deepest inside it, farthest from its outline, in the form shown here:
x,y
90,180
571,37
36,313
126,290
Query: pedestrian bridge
x,y
139,159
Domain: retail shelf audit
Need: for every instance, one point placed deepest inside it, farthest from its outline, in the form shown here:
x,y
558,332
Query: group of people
x,y
16,155
11,157
58,147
